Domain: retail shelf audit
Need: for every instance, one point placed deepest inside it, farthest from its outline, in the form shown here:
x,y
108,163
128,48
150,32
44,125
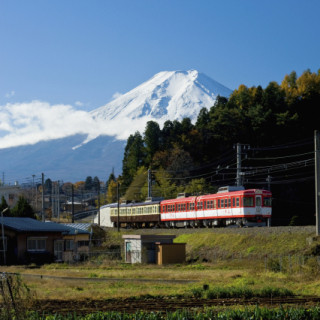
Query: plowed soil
x,y
160,304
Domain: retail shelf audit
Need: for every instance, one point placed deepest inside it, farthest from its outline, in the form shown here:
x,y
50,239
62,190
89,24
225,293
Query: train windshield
x,y
248,201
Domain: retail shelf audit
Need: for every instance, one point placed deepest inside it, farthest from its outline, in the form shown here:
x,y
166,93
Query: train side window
x,y
214,203
237,202
229,202
233,201
219,203
222,203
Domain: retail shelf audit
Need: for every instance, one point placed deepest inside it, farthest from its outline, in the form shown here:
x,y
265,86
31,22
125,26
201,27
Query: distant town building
x,y
11,194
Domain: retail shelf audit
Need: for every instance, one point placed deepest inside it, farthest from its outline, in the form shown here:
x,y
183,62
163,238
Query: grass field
x,y
254,259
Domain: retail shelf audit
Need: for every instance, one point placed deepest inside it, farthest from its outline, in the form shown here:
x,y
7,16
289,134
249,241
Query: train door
x,y
258,204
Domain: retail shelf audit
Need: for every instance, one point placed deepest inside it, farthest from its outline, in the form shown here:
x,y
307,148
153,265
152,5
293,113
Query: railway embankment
x,y
208,245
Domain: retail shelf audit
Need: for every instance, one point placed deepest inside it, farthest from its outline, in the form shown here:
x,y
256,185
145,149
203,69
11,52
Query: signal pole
x,y
317,178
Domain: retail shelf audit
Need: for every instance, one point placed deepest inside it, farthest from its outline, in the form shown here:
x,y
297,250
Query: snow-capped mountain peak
x,y
167,95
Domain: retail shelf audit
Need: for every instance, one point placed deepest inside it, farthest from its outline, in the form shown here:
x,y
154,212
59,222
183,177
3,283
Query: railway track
x,y
133,305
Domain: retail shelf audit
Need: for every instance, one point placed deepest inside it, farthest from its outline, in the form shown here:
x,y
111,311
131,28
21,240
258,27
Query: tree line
x,y
180,153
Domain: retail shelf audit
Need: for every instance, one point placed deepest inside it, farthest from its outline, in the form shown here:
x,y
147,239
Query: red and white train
x,y
230,206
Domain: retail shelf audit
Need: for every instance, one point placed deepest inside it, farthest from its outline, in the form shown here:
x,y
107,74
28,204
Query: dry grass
x,y
112,279
115,281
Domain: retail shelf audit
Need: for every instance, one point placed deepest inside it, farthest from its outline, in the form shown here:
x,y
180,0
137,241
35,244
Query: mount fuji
x,y
169,95
95,147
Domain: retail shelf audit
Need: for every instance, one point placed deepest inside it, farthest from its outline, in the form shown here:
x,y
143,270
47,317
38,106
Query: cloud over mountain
x,y
167,95
66,142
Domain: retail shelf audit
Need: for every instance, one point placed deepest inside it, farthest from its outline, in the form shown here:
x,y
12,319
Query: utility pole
x,y
53,189
269,182
58,200
32,193
98,189
317,178
42,209
149,184
118,198
239,181
72,204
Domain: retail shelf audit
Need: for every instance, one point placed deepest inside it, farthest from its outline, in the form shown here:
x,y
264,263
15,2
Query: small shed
x,y
158,249
170,253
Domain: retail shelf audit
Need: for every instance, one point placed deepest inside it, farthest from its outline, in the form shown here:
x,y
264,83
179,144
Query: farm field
x,y
224,267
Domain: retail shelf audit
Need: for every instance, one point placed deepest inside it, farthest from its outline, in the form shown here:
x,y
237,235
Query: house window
x,y
69,245
36,244
83,243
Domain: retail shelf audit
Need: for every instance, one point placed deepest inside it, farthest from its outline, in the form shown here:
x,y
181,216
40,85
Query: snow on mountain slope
x,y
170,95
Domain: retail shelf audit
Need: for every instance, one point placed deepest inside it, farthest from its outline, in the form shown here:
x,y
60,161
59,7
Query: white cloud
x,y
116,95
10,94
32,122
79,104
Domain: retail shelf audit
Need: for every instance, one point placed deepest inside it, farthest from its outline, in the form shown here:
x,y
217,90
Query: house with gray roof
x,y
26,240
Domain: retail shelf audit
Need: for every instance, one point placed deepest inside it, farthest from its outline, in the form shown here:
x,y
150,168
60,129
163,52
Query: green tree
x,y
96,183
133,158
88,184
165,186
23,209
198,187
3,206
151,140
112,177
112,192
138,189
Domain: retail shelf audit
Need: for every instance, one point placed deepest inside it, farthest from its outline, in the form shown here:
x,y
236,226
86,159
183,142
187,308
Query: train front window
x,y
267,202
248,201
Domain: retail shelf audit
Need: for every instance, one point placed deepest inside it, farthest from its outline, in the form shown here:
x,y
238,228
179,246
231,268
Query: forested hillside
x,y
275,127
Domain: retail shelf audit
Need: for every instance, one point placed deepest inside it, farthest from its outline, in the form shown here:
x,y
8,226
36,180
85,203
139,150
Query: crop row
x,y
294,313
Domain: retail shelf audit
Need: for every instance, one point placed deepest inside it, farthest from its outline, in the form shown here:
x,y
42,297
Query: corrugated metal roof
x,y
30,225
82,228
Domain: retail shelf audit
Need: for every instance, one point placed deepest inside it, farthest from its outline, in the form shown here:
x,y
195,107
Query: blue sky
x,y
81,53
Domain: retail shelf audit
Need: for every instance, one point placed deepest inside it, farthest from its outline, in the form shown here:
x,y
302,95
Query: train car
x,y
179,212
105,218
136,215
230,206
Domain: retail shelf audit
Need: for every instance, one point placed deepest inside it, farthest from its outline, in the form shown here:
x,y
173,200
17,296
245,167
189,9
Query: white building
x,y
11,194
